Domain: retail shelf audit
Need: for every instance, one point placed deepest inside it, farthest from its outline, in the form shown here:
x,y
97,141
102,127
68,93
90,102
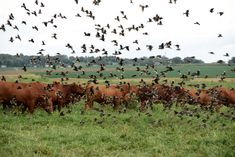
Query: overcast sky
x,y
194,40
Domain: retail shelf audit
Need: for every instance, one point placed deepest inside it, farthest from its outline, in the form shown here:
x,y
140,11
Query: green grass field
x,y
113,133
212,70
160,132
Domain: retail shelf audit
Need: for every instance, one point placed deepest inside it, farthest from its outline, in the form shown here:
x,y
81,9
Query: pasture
x,y
213,71
119,133
180,131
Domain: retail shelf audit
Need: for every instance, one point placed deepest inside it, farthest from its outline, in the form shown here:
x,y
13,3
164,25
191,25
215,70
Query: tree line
x,y
42,61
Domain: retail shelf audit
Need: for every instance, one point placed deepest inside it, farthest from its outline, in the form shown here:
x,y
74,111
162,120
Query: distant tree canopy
x,y
231,60
21,60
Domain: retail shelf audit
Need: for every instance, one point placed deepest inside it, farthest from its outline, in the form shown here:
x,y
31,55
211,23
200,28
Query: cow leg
x,y
60,105
143,106
23,109
31,106
88,104
151,105
4,106
116,103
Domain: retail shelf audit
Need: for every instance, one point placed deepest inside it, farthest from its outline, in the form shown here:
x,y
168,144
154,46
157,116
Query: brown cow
x,y
224,96
155,93
30,96
204,98
64,94
145,95
115,94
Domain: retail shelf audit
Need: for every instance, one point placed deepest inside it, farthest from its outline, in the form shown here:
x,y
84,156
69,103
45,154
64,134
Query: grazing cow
x,y
204,98
163,93
180,95
64,94
145,95
224,96
103,94
30,96
156,93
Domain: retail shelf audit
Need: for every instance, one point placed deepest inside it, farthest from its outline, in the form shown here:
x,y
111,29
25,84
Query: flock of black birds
x,y
101,33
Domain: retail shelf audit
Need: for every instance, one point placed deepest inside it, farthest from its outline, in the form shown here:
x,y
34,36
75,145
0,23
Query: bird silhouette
x,y
211,10
186,13
18,37
3,28
211,53
226,55
54,35
24,68
220,13
143,7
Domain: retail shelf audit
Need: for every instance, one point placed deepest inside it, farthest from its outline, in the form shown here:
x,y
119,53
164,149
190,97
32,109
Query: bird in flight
x,y
221,13
186,13
211,10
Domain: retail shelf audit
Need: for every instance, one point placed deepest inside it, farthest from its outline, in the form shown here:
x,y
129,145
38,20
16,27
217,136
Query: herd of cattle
x,y
50,97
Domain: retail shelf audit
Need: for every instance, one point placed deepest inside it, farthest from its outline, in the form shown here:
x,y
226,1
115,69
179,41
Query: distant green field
x,y
212,70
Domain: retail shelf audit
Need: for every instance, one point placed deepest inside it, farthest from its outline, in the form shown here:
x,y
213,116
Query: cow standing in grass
x,y
104,94
62,94
29,96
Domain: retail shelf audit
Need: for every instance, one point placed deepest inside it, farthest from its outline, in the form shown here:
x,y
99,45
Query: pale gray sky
x,y
194,40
